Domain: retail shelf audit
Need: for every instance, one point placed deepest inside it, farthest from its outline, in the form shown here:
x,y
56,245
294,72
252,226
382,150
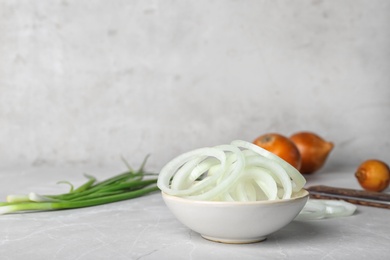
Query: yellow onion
x,y
373,175
314,151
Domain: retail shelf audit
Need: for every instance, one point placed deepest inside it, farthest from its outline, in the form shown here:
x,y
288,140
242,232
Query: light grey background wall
x,y
88,81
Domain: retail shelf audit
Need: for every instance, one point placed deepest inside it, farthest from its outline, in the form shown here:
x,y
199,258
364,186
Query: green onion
x,y
128,185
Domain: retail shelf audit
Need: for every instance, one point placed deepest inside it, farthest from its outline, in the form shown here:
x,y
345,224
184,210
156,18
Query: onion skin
x,y
314,151
281,146
373,175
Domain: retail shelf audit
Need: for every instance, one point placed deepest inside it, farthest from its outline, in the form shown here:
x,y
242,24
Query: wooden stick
x,y
360,197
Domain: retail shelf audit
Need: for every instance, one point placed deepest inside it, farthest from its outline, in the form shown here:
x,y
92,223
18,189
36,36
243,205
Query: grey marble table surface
x,y
144,228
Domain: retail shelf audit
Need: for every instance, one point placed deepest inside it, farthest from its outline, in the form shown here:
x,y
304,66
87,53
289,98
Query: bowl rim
x,y
303,193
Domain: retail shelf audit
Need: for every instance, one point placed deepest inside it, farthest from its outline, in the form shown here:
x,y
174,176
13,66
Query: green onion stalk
x,y
128,185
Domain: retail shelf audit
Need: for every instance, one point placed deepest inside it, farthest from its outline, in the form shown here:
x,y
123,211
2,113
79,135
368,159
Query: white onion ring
x,y
170,169
276,169
182,177
263,180
319,209
231,175
294,174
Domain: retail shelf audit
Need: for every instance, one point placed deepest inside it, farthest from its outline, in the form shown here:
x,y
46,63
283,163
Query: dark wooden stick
x,y
360,197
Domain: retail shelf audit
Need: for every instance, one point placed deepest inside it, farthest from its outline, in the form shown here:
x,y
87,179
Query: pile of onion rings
x,y
239,171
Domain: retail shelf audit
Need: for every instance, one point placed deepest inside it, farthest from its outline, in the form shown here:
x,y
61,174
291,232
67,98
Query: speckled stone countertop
x,y
144,228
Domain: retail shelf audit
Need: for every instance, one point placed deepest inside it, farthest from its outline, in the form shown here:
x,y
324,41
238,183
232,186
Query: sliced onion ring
x,y
320,208
294,174
169,170
232,174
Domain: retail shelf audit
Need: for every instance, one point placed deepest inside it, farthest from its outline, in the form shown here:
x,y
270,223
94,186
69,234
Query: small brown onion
x,y
314,151
373,175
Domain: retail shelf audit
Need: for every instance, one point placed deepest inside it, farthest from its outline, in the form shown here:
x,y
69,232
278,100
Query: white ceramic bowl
x,y
236,222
